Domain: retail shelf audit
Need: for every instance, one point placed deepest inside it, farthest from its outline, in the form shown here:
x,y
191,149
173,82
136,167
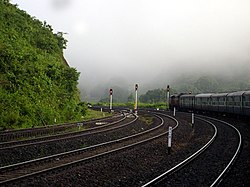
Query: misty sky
x,y
142,40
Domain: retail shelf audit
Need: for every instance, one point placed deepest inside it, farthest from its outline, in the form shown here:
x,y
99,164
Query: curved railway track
x,y
65,159
59,144
200,157
57,137
30,133
208,165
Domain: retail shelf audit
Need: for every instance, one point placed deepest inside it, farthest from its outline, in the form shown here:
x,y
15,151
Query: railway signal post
x,y
167,97
111,98
136,98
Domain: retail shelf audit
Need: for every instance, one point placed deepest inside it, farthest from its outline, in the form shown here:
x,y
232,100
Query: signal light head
x,y
136,86
168,88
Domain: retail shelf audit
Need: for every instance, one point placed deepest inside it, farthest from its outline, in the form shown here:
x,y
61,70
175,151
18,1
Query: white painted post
x,y
101,109
174,111
192,120
169,139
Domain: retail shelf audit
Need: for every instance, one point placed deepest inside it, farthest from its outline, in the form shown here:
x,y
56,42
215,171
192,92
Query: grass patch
x,y
93,114
147,119
160,105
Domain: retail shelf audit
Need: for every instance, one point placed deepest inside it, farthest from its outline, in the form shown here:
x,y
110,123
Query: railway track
x,y
79,156
137,159
31,133
57,137
208,165
36,149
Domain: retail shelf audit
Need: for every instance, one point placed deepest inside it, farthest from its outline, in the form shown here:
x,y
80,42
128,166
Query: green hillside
x,y
37,87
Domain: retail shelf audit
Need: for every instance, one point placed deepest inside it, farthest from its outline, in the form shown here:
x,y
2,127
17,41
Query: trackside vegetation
x,y
130,105
37,87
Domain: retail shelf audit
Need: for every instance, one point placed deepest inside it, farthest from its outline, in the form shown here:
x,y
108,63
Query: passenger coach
x,y
187,102
234,103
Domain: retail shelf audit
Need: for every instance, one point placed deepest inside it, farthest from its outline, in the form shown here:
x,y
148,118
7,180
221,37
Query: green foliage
x,y
146,119
212,84
207,84
93,114
153,96
36,87
160,105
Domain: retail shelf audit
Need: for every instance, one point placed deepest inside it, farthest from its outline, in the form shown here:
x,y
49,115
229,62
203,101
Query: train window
x,y
237,99
247,98
198,101
246,102
230,101
237,103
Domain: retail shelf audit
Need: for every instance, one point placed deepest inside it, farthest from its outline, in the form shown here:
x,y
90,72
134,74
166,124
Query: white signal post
x,y
111,97
168,96
136,98
169,139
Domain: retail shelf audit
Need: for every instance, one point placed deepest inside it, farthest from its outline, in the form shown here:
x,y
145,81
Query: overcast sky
x,y
138,40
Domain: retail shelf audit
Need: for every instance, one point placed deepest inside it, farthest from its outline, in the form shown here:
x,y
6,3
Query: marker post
x,y
174,111
169,139
192,120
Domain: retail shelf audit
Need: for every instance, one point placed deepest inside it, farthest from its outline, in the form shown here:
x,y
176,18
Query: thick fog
x,y
150,42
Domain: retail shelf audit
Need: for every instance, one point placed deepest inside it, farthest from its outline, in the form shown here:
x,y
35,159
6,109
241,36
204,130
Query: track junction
x,y
127,151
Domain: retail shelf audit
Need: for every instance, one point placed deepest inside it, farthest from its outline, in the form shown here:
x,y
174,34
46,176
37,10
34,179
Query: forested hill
x,y
37,87
202,84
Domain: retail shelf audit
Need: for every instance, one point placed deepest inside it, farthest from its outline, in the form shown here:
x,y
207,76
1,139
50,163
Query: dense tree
x,y
36,85
153,96
207,84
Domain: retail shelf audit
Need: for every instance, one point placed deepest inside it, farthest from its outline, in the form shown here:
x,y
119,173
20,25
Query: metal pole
x,y
136,97
111,98
167,100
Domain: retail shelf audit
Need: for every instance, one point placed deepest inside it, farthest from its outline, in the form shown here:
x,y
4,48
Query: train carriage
x,y
187,102
246,103
203,101
219,102
235,102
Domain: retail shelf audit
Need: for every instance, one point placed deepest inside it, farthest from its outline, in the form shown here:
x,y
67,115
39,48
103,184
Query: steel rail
x,y
186,161
95,156
62,154
41,140
56,125
220,177
28,132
